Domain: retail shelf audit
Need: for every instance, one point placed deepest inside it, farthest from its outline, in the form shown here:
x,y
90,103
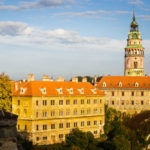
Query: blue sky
x,y
69,37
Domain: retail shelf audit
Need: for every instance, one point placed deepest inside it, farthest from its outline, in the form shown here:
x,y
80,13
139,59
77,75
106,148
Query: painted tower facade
x,y
134,52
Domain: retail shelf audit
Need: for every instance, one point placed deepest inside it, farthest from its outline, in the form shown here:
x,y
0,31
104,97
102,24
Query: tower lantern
x,y
134,52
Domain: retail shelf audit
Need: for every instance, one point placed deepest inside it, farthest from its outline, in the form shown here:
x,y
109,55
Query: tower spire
x,y
133,15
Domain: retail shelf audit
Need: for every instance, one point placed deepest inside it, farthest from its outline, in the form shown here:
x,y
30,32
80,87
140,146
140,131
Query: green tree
x,y
77,139
5,92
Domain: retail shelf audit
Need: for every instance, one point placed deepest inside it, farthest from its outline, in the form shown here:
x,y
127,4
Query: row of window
x,y
68,112
67,102
123,93
62,102
67,125
123,102
61,136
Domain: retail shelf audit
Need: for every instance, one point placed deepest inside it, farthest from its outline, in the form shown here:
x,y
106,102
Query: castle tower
x,y
134,52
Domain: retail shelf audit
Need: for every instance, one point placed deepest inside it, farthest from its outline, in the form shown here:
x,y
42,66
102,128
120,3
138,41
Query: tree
x,y
5,92
77,138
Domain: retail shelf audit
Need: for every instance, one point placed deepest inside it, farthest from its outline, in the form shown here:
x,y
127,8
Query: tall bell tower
x,y
134,52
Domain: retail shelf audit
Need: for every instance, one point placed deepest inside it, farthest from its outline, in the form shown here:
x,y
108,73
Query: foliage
x,y
5,92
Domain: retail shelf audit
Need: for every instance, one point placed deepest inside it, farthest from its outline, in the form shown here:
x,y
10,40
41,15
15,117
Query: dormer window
x,y
81,90
120,84
104,84
136,84
43,90
59,91
70,90
94,91
22,90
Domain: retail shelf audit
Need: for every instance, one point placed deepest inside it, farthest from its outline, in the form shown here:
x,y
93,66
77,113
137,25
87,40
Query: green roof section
x,y
134,46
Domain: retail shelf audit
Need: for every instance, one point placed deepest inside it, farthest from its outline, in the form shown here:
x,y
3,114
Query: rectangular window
x,y
95,132
75,102
60,136
88,111
67,102
95,101
37,114
75,124
37,103
52,102
44,102
68,113
88,123
44,114
122,93
25,127
75,112
101,110
132,93
61,125
52,113
60,102
52,126
82,101
95,122
37,127
101,101
132,102
142,93
44,138
37,138
122,102
112,93
95,111
44,127
100,122
82,112
88,101
142,102
112,102
18,102
60,113
68,125
82,123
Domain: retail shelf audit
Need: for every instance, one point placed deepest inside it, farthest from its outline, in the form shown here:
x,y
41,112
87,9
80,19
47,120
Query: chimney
x,y
16,86
60,78
47,78
84,79
74,79
30,77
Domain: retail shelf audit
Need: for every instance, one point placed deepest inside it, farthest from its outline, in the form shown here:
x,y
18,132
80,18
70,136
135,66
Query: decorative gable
x,y
70,90
120,84
22,90
43,90
104,84
81,91
94,91
59,91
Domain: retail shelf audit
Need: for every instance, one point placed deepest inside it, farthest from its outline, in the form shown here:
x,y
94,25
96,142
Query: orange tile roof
x,y
33,88
126,81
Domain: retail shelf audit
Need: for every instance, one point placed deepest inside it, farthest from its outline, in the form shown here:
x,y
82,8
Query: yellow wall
x,y
31,120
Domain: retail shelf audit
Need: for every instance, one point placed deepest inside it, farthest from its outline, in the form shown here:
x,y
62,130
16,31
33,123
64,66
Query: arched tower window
x,y
135,65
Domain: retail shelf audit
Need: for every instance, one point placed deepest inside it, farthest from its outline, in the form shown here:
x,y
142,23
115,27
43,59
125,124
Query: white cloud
x,y
136,2
14,28
23,5
91,13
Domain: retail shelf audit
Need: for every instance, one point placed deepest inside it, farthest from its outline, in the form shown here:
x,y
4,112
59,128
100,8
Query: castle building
x,y
126,93
134,52
49,110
